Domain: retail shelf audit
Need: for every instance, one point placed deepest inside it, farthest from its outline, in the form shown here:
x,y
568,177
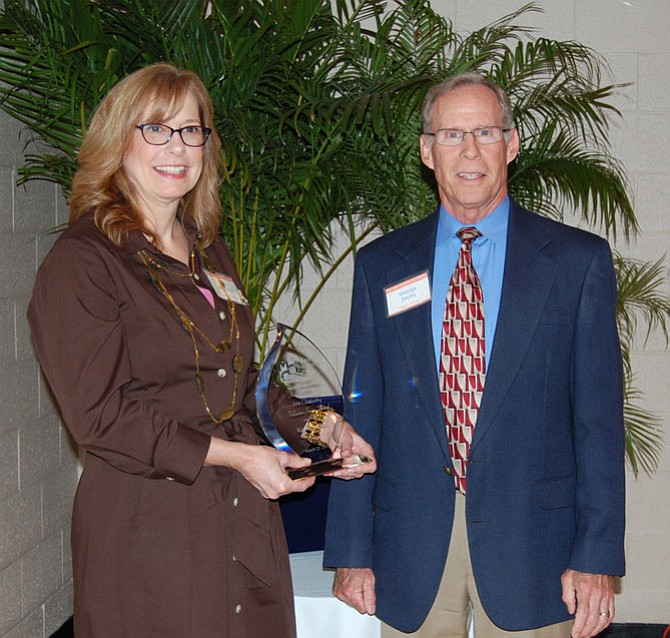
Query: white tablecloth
x,y
318,613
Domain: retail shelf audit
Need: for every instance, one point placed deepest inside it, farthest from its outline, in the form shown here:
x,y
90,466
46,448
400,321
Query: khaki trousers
x,y
457,601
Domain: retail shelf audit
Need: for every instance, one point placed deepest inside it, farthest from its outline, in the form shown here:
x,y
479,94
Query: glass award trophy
x,y
300,369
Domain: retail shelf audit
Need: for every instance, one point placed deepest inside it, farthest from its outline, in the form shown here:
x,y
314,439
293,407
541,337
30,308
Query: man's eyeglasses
x,y
482,135
159,134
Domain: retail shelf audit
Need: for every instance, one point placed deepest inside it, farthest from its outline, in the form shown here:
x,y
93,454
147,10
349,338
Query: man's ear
x,y
426,143
513,146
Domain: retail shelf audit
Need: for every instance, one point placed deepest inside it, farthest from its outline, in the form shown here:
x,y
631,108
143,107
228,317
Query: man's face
x,y
471,177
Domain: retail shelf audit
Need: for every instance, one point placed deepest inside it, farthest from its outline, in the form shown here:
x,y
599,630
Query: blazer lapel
x,y
527,282
414,328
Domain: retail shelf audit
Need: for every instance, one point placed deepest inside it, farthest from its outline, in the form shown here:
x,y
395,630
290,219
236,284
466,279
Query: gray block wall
x,y
38,466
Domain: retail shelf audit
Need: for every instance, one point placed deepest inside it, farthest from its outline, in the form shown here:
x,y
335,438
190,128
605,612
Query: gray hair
x,y
457,82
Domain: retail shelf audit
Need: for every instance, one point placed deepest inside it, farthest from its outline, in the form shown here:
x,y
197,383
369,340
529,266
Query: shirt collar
x,y
492,227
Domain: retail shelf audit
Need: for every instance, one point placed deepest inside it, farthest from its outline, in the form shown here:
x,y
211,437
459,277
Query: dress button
x,y
221,372
238,609
196,276
235,501
222,316
447,470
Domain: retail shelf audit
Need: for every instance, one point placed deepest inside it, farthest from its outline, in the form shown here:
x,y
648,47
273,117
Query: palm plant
x,y
317,105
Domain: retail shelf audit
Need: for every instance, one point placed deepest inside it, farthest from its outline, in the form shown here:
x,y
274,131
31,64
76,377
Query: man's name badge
x,y
407,294
225,288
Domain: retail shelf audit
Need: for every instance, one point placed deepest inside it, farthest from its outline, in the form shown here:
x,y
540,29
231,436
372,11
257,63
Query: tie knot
x,y
468,235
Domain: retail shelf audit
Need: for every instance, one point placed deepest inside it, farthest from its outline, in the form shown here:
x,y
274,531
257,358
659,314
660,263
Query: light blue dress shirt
x,y
488,258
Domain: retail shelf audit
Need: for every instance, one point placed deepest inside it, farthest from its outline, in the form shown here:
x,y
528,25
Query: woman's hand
x,y
347,444
263,466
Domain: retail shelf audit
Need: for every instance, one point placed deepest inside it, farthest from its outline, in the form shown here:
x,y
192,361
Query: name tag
x,y
407,294
225,288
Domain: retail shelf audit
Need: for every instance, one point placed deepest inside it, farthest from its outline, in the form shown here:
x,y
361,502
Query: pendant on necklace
x,y
237,363
186,324
223,346
227,414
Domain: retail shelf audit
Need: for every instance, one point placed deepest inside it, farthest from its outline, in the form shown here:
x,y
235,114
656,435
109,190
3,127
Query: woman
x,y
141,326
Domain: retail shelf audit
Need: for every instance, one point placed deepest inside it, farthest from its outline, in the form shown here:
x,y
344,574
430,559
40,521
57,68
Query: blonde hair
x,y
101,184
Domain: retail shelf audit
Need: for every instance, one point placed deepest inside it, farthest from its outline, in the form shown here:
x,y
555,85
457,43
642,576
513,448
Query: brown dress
x,y
162,547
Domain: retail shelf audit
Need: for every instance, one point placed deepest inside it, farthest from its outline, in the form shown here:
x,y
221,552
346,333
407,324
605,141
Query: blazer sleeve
x,y
349,528
598,424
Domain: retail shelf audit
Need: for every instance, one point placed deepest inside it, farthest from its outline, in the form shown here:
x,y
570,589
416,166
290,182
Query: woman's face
x,y
163,174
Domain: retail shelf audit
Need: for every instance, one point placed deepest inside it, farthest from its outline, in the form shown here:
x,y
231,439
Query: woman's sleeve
x,y
79,337
289,415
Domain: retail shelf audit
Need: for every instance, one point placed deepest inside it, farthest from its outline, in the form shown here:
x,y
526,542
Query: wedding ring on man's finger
x,y
605,614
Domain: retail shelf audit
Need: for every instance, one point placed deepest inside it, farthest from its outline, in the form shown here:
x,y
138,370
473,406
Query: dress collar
x,y
136,241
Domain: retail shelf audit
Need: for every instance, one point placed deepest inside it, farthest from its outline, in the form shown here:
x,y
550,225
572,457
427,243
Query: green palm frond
x,y
581,108
486,48
644,435
557,173
641,298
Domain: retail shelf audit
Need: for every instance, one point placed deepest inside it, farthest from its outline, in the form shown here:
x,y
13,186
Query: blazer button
x,y
447,470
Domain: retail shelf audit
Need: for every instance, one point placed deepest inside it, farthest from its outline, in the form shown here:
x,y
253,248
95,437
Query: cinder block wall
x,y
38,467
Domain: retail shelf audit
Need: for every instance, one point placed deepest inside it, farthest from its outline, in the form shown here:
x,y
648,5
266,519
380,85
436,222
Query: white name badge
x,y
407,294
225,287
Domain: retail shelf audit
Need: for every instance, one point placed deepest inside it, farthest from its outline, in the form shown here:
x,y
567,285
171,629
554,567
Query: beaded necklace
x,y
153,267
148,259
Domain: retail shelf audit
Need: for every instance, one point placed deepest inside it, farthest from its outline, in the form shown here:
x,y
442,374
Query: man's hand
x,y
356,587
347,444
591,598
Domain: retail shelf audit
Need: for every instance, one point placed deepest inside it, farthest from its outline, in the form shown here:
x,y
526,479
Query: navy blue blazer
x,y
546,467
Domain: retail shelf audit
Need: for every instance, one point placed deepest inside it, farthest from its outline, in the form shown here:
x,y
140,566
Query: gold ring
x,y
605,614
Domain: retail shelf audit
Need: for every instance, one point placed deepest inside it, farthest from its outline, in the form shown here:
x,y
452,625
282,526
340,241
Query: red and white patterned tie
x,y
462,361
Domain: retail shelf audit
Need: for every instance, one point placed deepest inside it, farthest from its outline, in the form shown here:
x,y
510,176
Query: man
x,y
517,515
